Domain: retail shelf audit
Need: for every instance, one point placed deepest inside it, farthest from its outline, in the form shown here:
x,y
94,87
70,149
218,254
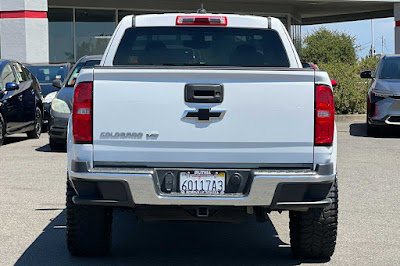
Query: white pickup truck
x,y
206,117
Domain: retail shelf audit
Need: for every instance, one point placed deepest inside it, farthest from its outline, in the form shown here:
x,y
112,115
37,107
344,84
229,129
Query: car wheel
x,y
313,233
88,227
56,145
35,133
2,130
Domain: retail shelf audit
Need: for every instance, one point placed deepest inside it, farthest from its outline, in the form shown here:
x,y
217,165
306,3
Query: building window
x,y
61,41
93,31
123,13
74,33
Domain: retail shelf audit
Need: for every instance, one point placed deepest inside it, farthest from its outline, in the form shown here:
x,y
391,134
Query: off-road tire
x,y
56,145
88,228
35,133
2,130
313,233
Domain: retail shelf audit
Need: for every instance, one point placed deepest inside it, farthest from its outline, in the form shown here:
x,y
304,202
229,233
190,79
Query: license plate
x,y
202,182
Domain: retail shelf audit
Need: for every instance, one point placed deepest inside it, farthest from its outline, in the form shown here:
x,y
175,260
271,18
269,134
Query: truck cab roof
x,y
233,20
209,20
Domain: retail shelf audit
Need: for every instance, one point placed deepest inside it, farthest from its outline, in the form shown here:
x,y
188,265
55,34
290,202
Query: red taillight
x,y
324,115
368,106
82,113
202,20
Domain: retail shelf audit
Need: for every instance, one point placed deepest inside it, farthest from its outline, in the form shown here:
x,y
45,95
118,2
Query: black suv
x,y
383,99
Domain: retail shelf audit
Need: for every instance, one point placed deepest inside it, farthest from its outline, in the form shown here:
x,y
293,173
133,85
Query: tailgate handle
x,y
204,93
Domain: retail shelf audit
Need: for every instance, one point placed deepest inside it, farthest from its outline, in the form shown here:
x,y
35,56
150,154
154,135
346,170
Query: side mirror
x,y
334,83
57,83
12,86
366,74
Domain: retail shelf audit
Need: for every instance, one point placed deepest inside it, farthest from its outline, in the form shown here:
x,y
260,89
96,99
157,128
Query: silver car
x,y
61,105
383,101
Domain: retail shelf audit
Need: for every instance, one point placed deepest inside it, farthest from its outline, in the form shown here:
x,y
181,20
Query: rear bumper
x,y
388,120
58,127
274,189
386,112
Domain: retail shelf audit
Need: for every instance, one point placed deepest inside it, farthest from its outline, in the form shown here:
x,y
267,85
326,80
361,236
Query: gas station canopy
x,y
310,11
64,30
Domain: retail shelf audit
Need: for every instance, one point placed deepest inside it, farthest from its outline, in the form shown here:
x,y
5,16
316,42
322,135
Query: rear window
x,y
201,46
74,76
390,68
46,74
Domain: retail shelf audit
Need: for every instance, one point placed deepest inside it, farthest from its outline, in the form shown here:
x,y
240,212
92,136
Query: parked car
x,y
315,67
61,104
310,65
383,99
21,100
205,117
50,77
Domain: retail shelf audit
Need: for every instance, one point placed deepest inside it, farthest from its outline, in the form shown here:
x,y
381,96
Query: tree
x,y
335,52
350,93
327,46
368,63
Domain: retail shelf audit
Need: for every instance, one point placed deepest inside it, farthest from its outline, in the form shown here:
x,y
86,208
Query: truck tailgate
x,y
138,118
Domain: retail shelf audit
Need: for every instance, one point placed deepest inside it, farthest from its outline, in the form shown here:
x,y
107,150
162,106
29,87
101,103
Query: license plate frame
x,y
202,183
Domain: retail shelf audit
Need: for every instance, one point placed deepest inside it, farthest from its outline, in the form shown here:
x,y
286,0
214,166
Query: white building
x,y
53,31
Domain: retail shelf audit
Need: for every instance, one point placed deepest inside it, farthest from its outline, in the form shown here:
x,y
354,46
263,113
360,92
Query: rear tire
x,y
56,146
2,130
313,233
35,133
88,227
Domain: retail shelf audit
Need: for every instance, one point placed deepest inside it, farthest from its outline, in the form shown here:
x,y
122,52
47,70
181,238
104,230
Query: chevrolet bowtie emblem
x,y
204,115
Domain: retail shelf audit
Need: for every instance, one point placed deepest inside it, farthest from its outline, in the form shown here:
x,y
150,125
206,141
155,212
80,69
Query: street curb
x,y
349,118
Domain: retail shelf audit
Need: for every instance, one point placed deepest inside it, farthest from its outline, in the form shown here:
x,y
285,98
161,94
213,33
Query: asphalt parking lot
x,y
32,215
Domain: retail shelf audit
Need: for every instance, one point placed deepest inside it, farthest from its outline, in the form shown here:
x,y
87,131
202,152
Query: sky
x,y
361,30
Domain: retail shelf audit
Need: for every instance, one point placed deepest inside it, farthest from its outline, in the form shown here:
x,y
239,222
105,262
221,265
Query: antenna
x,y
201,10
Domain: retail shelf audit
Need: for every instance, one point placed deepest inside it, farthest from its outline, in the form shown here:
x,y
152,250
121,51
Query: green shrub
x,y
368,63
335,52
324,46
351,92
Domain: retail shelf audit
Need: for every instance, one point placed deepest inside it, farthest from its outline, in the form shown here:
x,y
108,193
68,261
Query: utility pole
x,y
383,44
372,52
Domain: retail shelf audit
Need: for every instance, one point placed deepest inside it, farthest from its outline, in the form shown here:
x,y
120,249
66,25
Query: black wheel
x,y
88,228
56,145
35,133
2,130
313,233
